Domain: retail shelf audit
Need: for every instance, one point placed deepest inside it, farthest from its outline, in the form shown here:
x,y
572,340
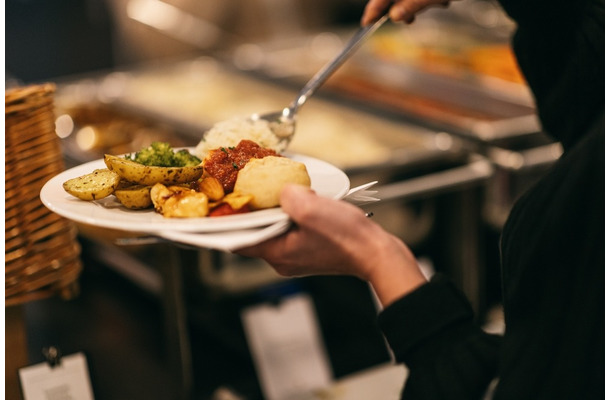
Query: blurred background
x,y
436,112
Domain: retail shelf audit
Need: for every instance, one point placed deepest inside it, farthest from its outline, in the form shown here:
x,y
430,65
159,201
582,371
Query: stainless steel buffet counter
x,y
192,95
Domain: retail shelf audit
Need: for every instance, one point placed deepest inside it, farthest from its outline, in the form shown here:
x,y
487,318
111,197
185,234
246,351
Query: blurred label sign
x,y
287,347
67,380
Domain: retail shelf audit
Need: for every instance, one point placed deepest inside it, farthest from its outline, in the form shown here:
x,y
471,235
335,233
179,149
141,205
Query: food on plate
x,y
226,209
230,132
209,186
179,201
232,203
224,163
161,154
129,179
135,197
264,178
94,186
147,175
231,180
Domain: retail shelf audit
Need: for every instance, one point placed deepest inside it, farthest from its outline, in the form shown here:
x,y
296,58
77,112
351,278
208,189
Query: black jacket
x,y
552,246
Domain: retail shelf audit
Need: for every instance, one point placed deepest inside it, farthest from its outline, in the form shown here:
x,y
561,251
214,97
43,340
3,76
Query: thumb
x,y
307,209
294,196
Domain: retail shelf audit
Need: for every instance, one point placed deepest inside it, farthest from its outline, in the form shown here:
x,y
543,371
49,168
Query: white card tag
x,y
67,380
287,347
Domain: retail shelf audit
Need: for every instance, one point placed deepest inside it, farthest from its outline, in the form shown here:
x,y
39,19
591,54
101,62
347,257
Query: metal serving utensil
x,y
283,123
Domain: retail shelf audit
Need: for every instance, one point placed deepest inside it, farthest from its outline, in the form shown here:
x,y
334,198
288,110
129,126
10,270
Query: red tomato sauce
x,y
224,163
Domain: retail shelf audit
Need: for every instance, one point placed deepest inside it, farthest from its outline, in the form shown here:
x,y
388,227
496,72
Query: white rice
x,y
230,132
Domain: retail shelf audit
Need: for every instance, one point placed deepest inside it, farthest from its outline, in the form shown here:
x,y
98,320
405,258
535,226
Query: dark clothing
x,y
552,246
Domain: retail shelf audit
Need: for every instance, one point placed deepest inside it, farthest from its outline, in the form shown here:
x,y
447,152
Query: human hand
x,y
399,10
334,237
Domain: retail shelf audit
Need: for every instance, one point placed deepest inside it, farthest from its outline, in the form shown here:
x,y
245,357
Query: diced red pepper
x,y
226,209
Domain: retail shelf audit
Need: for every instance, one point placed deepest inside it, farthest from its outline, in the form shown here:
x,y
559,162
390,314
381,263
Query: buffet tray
x,y
188,97
450,76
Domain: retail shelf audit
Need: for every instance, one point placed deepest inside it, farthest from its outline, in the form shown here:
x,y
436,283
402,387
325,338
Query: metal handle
x,y
322,75
474,172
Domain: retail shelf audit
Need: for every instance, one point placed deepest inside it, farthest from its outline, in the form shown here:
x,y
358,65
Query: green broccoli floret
x,y
161,154
157,154
185,159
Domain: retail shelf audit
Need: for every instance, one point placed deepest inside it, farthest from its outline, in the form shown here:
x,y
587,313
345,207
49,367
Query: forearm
x,y
397,275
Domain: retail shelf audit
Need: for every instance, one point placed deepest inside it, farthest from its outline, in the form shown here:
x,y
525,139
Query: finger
x,y
255,251
285,253
317,213
373,10
406,10
266,249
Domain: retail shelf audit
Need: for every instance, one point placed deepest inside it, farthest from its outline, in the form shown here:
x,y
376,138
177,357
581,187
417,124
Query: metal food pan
x,y
90,130
450,75
190,96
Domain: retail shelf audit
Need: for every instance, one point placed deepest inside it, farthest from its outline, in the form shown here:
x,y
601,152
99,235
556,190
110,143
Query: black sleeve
x,y
432,331
553,243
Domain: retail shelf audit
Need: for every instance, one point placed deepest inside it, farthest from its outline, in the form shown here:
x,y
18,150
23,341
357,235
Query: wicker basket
x,y
42,256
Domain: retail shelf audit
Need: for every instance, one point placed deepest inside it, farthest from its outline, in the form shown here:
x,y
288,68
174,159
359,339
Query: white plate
x,y
326,180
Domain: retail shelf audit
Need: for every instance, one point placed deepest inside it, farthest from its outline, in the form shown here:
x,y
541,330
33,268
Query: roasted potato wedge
x,y
179,202
145,175
94,186
236,200
135,197
211,187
